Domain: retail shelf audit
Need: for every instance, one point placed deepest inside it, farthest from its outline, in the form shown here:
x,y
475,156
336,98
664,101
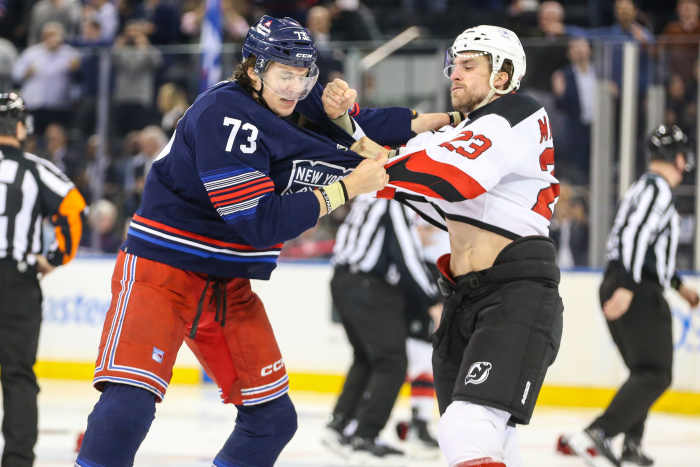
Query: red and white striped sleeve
x,y
456,165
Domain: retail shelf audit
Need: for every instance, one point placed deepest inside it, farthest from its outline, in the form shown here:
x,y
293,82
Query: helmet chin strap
x,y
260,96
492,91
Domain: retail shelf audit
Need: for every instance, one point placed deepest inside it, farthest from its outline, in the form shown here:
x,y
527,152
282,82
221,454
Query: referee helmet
x,y
668,141
12,111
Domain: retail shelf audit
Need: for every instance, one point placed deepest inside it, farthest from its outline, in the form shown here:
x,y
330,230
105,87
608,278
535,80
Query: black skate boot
x,y
419,426
632,453
602,445
418,441
420,430
366,451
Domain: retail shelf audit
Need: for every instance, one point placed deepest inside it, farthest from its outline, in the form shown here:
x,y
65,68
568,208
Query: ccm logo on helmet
x,y
269,369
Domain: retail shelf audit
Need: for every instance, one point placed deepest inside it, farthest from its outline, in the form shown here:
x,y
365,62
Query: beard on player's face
x,y
468,102
467,99
469,78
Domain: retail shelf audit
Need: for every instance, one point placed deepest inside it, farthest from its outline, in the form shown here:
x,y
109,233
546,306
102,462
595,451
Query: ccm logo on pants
x,y
269,369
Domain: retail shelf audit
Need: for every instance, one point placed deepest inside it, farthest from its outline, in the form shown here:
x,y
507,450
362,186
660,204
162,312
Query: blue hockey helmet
x,y
282,40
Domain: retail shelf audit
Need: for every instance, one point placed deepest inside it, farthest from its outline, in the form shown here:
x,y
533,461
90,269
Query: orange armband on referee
x,y
68,224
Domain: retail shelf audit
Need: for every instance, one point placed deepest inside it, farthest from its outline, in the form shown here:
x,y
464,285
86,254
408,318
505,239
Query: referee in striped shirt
x,y
379,277
31,190
641,263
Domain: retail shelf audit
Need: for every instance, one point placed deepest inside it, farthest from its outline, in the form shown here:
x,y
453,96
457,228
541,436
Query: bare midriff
x,y
473,248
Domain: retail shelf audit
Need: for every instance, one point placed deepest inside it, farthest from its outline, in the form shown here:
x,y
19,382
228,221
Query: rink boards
x,y
316,351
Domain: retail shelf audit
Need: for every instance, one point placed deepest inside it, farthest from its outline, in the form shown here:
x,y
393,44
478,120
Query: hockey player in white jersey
x,y
489,181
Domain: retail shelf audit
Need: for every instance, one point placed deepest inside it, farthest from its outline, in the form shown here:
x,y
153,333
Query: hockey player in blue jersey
x,y
241,174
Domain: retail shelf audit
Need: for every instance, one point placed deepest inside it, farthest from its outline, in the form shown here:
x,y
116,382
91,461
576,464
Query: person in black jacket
x,y
574,91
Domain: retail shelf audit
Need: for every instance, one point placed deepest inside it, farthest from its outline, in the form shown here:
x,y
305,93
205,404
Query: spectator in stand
x,y
102,219
91,172
58,151
681,40
65,12
88,44
522,15
172,103
353,21
680,102
135,63
8,56
123,151
330,60
44,70
548,51
569,229
164,21
626,29
234,25
105,170
150,141
14,21
574,91
106,14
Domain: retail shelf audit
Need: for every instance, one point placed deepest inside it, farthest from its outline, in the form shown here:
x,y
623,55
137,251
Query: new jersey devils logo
x,y
478,373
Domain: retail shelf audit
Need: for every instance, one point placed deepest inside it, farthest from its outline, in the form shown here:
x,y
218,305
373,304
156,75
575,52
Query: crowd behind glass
x,y
50,50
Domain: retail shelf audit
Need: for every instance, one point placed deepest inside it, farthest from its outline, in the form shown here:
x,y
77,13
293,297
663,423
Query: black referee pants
x,y
373,315
20,319
644,337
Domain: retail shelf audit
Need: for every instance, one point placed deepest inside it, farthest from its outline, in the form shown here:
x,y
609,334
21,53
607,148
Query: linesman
x,y
379,277
31,190
641,263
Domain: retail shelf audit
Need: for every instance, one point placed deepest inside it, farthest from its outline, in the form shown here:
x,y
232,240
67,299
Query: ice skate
x,y
593,437
632,454
564,448
417,440
334,440
370,452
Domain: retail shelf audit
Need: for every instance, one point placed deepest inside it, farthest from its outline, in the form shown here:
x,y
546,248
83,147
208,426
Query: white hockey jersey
x,y
494,170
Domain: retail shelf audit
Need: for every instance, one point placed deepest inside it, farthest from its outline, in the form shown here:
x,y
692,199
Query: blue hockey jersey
x,y
235,181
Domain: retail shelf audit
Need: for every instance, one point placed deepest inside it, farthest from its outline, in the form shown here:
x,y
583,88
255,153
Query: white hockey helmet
x,y
500,43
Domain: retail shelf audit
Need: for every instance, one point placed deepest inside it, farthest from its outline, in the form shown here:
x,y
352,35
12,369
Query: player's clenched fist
x,y
367,148
337,98
367,177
